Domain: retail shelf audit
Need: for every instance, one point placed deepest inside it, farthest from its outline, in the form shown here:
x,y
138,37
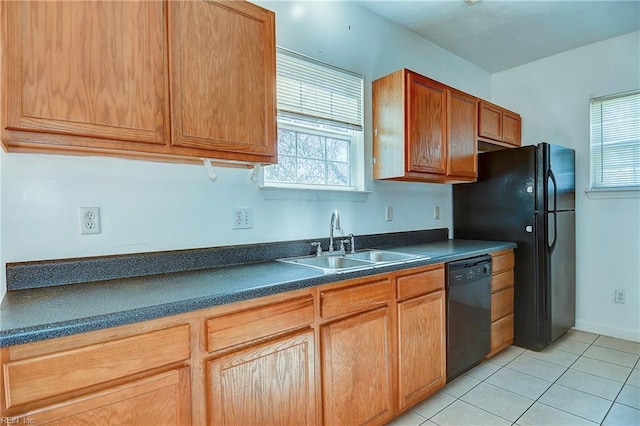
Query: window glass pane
x,y
283,172
310,146
286,142
337,149
311,172
337,173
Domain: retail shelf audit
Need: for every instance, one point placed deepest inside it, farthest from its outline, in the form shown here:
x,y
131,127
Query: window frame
x,y
318,126
353,152
600,190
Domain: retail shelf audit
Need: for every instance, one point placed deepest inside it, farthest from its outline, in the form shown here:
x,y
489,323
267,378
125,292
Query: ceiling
x,y
497,35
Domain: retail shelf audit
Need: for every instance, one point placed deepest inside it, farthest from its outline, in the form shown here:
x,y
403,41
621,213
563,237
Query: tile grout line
x,y
620,391
566,368
476,385
613,402
556,380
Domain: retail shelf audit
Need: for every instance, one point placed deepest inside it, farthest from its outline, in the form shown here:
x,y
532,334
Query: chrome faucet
x,y
335,221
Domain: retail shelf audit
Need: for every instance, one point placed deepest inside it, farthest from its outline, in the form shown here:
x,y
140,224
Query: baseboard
x,y
619,333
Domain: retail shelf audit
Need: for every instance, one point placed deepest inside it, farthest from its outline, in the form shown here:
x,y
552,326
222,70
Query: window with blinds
x,y
615,141
320,121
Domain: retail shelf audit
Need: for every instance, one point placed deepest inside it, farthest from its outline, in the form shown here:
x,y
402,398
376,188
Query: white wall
x,y
552,95
148,206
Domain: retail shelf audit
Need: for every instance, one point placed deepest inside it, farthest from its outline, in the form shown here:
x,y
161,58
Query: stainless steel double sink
x,y
349,262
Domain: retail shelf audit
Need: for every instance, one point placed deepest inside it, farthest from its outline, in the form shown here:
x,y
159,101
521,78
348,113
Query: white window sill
x,y
313,194
599,194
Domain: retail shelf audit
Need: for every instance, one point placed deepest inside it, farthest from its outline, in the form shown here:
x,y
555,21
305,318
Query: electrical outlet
x,y
436,212
89,220
619,296
242,218
388,213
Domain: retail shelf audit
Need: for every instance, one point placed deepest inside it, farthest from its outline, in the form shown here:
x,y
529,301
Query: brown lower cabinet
x,y
271,383
502,288
356,369
421,372
162,399
353,352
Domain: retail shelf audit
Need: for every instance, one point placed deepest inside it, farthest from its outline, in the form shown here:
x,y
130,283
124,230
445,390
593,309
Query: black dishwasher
x,y
468,313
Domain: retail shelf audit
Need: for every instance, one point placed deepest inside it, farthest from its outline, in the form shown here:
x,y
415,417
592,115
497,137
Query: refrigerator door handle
x,y
552,245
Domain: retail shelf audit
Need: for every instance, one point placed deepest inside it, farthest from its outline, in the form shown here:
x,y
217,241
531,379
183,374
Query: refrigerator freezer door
x,y
502,202
556,178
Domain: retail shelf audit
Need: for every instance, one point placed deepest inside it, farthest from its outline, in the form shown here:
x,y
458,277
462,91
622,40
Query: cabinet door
x,y
426,125
356,370
421,347
223,77
511,132
158,400
501,334
269,384
86,70
463,146
490,121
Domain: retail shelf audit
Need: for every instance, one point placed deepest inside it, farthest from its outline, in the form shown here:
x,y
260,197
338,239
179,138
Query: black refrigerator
x,y
527,195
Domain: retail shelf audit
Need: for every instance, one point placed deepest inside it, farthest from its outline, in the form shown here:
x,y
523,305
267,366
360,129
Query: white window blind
x,y
317,91
615,141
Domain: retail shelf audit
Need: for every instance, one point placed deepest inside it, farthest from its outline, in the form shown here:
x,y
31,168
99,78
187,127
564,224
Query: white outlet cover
x,y
89,220
242,218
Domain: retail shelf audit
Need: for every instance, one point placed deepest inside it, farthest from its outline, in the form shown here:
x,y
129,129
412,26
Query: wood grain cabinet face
x,y
357,369
157,400
511,131
421,348
252,324
267,384
490,121
223,77
499,124
420,283
46,376
426,125
462,160
423,130
502,291
137,379
86,70
112,78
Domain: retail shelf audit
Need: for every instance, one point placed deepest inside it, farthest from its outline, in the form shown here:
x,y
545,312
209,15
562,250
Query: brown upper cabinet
x,y
500,126
423,130
173,81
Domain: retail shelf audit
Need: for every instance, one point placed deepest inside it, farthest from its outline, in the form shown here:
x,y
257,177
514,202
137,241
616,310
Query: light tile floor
x,y
581,379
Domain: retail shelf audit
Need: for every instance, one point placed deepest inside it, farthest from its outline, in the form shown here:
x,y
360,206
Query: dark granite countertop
x,y
34,314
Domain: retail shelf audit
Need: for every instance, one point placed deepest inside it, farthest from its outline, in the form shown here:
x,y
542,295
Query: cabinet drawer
x,y
354,299
41,377
502,261
236,328
501,333
162,399
501,303
502,280
420,283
